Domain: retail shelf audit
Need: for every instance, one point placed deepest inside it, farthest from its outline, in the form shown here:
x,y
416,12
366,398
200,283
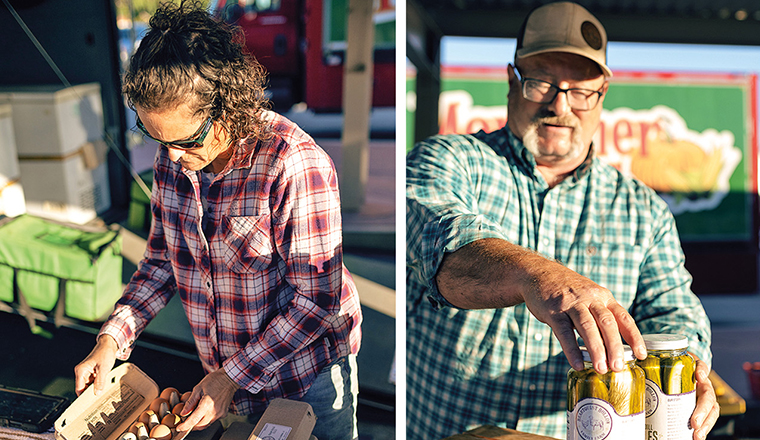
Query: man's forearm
x,y
489,273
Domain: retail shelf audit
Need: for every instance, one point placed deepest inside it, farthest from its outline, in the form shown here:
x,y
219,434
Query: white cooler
x,y
61,153
11,193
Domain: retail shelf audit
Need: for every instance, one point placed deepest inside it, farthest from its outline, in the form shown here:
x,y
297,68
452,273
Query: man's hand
x,y
567,301
95,367
209,401
493,273
707,410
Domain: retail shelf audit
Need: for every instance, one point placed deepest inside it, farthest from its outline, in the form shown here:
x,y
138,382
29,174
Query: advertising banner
x,y
689,136
334,32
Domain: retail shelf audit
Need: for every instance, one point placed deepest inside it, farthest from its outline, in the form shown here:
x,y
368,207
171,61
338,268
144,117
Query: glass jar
x,y
609,405
670,387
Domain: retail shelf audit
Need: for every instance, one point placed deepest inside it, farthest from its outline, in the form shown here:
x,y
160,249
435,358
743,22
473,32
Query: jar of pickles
x,y
605,406
670,388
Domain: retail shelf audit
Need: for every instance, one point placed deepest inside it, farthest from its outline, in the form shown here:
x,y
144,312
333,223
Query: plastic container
x,y
753,376
605,406
670,387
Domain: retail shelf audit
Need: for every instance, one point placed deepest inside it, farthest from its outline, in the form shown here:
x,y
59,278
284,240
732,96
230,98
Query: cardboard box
x,y
285,420
11,194
238,431
129,392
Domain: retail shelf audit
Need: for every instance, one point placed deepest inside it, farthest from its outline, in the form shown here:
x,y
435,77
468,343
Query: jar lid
x,y
665,341
627,354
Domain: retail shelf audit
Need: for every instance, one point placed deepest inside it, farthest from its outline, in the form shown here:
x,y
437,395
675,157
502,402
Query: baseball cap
x,y
563,27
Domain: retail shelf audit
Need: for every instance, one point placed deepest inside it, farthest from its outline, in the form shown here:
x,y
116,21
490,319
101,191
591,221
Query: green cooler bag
x,y
139,206
56,266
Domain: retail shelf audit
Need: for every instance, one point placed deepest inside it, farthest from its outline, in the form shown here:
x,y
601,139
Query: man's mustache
x,y
549,118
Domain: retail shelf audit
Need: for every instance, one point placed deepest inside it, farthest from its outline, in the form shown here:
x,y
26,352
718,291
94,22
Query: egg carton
x,y
128,396
284,419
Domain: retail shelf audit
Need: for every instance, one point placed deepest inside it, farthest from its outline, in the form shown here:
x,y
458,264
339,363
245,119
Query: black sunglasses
x,y
195,140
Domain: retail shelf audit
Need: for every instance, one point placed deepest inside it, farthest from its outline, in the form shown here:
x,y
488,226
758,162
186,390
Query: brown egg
x,y
185,396
161,432
171,395
140,430
171,420
128,436
159,406
150,418
178,408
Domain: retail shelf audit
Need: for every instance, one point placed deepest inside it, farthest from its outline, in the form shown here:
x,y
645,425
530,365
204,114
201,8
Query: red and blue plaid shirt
x,y
262,282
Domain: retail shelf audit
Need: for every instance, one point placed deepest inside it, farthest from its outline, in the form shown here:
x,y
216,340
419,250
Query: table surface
x,y
494,433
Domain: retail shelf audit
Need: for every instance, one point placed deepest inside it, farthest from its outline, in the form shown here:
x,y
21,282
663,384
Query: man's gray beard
x,y
530,140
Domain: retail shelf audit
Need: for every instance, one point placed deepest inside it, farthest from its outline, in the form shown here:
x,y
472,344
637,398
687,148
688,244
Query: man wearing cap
x,y
520,241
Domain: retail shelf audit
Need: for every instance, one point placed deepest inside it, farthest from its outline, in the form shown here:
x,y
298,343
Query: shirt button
x,y
532,387
208,284
433,303
546,241
538,336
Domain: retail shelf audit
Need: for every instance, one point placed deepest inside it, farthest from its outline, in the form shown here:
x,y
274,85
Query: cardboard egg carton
x,y
128,393
283,419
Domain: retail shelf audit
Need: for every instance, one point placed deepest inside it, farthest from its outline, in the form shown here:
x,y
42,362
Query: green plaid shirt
x,y
466,368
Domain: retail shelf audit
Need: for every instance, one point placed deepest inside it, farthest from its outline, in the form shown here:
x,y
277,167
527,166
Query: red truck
x,y
302,45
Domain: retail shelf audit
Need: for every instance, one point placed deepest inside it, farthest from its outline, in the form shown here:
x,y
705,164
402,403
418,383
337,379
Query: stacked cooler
x,y
61,153
11,194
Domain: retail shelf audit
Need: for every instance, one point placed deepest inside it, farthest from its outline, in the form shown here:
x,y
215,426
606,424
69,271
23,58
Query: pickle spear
x,y
592,386
687,375
572,391
638,401
671,369
651,367
621,384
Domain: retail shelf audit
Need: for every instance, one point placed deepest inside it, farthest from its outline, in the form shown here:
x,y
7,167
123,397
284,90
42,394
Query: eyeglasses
x,y
544,92
194,141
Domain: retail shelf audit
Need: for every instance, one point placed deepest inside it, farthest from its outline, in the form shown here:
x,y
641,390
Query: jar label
x,y
596,419
667,416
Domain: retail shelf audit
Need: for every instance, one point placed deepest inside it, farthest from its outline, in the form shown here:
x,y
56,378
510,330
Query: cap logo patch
x,y
591,34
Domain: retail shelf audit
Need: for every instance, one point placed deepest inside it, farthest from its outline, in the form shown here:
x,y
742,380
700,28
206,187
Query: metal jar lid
x,y
665,341
627,353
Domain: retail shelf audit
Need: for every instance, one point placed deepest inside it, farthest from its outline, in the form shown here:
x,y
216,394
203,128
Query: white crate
x,y
64,189
53,120
11,194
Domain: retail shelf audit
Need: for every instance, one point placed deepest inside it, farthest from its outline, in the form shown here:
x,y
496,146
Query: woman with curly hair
x,y
246,228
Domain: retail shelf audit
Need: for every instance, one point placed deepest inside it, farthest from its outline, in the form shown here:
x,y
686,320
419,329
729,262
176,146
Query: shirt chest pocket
x,y
616,266
248,243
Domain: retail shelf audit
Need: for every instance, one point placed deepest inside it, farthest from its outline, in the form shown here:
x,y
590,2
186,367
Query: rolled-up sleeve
x,y
443,210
